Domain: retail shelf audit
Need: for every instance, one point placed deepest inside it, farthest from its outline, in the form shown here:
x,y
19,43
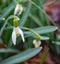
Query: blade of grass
x,y
44,56
8,50
8,10
43,17
42,12
36,20
25,16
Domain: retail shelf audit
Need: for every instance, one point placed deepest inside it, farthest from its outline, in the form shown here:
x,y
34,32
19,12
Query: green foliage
x,y
33,21
44,57
21,57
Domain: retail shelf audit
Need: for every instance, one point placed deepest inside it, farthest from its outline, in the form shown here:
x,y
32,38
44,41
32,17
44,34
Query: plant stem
x,y
37,35
2,29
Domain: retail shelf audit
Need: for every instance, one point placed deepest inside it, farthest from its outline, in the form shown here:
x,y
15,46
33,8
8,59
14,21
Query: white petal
x,y
18,9
34,41
14,37
21,33
21,9
16,29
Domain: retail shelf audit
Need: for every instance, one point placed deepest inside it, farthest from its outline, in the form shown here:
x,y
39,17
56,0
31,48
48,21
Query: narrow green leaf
x,y
44,56
57,43
8,10
38,7
43,30
24,17
21,57
57,47
36,20
8,51
44,38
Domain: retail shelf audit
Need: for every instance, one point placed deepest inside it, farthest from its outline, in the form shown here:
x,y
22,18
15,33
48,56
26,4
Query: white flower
x,y
18,9
36,43
17,30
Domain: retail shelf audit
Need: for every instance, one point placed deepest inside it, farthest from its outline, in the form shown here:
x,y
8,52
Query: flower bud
x,y
37,43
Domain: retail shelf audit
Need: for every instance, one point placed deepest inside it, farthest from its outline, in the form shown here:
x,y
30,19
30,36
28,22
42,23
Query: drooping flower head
x,y
16,30
18,9
37,43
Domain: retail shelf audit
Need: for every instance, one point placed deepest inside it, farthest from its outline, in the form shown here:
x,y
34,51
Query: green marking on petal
x,y
17,35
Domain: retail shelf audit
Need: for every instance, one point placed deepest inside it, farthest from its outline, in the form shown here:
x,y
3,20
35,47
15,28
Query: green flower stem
x,y
2,29
20,1
37,35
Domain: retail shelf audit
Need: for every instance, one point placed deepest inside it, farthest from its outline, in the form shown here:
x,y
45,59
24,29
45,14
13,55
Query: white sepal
x,y
21,33
18,9
17,30
14,37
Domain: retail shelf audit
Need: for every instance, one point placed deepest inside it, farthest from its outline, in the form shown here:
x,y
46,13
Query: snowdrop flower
x,y
18,9
36,43
17,30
